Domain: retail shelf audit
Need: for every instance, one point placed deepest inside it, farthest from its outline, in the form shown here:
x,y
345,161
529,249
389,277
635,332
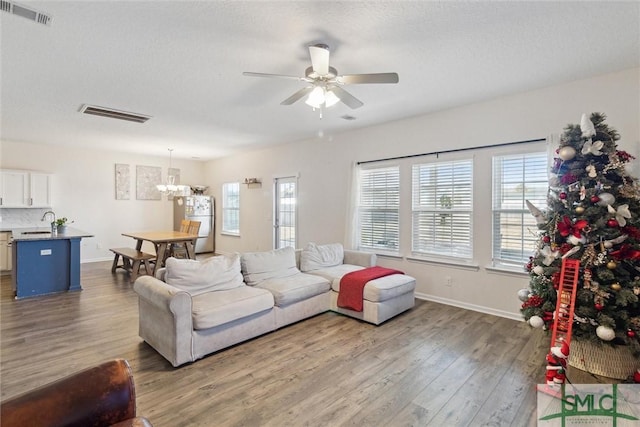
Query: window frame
x,y
429,244
228,209
369,208
536,175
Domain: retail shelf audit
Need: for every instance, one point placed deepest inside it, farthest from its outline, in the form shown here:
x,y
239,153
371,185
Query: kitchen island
x,y
44,262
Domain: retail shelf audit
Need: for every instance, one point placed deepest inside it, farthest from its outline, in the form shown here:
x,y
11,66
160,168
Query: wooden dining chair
x,y
184,225
179,250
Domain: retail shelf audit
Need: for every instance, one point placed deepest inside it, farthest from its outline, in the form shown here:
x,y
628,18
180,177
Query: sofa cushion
x,y
260,266
335,273
384,288
212,274
217,308
301,286
314,257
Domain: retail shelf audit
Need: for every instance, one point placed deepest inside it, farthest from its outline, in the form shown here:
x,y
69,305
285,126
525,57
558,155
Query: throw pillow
x,y
217,273
260,266
314,257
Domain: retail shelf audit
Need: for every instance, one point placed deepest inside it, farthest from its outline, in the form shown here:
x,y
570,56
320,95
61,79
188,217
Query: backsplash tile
x,y
17,218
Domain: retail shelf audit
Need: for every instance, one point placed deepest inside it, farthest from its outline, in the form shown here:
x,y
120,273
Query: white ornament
x,y
536,321
574,249
567,152
576,240
549,255
586,126
523,294
537,213
605,333
593,148
606,199
621,214
591,170
609,243
538,269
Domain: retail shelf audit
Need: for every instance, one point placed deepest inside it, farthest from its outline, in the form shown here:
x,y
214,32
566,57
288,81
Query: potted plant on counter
x,y
61,224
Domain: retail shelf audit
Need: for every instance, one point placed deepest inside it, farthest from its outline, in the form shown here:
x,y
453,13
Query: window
x,y
231,208
378,209
517,178
284,220
442,209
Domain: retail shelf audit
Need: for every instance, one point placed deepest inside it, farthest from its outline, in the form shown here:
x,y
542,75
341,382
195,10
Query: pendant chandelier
x,y
170,186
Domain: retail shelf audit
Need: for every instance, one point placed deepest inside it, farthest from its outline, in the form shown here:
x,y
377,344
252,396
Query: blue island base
x,y
42,267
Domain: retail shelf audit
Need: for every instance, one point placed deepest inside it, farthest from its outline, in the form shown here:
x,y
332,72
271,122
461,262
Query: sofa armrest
x,y
363,259
165,319
101,395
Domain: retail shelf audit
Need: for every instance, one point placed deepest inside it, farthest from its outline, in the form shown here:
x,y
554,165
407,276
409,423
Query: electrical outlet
x,y
448,281
98,246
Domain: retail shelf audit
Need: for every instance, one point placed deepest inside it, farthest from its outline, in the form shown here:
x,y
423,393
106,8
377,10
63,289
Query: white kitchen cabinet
x,y
25,189
5,251
14,187
39,190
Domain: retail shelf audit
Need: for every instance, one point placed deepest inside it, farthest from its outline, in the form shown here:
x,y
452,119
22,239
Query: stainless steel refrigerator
x,y
197,208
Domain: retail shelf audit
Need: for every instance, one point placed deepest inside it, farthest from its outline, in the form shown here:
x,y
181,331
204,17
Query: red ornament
x,y
595,199
546,239
631,333
612,223
636,376
599,307
562,196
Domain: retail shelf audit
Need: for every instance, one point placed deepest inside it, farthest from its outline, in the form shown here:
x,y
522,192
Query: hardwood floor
x,y
434,365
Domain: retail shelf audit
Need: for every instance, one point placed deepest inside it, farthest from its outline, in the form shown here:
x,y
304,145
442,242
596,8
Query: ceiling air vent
x,y
347,117
114,114
25,12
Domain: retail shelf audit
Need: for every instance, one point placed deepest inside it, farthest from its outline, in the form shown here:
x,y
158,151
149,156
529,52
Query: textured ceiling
x,y
181,62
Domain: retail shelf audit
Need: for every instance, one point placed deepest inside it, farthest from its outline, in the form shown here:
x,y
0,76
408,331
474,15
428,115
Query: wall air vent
x,y
114,114
25,12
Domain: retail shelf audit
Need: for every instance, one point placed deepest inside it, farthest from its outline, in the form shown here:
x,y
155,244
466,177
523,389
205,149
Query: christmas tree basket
x,y
606,360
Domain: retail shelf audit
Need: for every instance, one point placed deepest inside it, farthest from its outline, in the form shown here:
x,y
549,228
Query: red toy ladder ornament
x,y
563,323
565,305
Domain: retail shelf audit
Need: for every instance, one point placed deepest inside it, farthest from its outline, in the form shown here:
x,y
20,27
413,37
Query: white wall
x,y
84,191
324,169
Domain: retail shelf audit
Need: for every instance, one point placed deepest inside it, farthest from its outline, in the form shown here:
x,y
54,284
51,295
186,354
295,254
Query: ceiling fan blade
x,y
319,54
275,76
352,79
348,99
296,96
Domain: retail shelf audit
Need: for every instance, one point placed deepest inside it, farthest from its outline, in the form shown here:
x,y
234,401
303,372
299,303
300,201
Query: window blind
x,y
378,209
231,208
442,208
517,178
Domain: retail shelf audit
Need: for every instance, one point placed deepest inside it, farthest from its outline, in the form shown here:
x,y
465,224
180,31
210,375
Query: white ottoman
x,y
384,298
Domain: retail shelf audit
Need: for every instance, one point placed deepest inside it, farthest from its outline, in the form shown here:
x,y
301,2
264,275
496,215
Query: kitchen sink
x,y
36,232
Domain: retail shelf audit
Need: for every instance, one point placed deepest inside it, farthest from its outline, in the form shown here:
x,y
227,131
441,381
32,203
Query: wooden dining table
x,y
161,241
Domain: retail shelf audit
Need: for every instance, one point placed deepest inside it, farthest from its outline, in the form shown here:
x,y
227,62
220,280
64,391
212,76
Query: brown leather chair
x,y
100,396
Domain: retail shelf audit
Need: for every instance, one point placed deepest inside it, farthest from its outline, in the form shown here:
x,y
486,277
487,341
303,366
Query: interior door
x,y
285,218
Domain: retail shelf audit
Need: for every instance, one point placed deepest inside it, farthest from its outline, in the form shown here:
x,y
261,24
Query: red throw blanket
x,y
352,285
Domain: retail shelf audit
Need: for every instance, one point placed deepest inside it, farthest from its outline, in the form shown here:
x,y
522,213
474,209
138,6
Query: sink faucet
x,y
44,217
54,229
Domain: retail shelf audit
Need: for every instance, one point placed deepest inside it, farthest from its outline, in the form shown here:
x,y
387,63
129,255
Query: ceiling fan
x,y
325,85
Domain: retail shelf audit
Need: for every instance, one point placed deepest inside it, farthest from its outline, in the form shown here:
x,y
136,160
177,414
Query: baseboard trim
x,y
472,307
85,261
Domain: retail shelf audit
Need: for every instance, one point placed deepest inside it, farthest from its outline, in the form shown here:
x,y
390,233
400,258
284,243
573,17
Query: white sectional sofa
x,y
194,308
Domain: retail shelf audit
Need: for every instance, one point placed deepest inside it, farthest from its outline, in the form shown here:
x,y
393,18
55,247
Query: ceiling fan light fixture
x,y
330,99
316,97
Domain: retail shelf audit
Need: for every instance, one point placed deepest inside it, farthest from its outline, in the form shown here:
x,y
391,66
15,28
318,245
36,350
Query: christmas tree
x,y
592,215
